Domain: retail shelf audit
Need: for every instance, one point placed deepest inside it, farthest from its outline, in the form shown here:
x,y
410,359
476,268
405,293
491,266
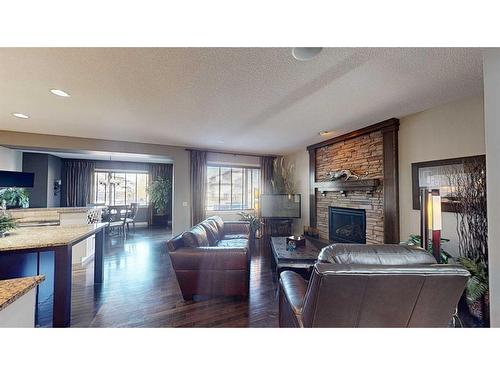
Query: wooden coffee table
x,y
301,259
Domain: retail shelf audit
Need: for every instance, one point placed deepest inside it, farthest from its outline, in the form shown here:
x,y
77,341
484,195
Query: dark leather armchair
x,y
212,258
372,286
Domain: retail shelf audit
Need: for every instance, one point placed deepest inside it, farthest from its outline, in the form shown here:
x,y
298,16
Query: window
x,y
232,188
119,187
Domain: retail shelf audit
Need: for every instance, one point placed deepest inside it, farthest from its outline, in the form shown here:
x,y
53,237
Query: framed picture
x,y
435,175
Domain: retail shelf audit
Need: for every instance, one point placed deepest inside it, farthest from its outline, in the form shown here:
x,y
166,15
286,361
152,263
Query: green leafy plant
x,y
477,285
159,194
414,240
253,220
15,197
6,223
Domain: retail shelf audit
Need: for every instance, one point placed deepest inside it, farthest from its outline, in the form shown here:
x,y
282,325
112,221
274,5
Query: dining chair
x,y
131,215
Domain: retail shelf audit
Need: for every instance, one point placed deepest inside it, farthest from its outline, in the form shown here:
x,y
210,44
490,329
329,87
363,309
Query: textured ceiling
x,y
240,99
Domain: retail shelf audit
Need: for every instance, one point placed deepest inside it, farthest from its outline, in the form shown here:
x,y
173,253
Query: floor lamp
x,y
430,221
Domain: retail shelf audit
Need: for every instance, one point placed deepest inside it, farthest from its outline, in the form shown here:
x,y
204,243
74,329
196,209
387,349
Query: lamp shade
x,y
436,213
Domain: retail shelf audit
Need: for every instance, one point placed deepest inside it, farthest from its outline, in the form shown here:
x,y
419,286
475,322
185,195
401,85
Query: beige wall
x,y
301,161
10,160
491,69
181,200
452,130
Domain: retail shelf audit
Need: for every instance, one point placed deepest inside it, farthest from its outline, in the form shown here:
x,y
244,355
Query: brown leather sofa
x,y
372,286
212,258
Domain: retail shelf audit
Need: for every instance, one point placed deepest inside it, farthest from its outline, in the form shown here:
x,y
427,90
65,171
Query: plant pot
x,y
480,308
160,221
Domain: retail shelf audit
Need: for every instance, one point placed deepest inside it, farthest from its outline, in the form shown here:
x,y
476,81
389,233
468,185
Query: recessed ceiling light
x,y
324,133
20,115
306,53
60,93
220,142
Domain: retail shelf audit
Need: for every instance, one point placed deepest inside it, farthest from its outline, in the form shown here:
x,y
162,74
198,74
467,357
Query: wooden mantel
x,y
389,129
368,185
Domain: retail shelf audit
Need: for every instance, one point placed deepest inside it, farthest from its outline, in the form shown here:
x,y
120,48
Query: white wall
x,y
452,130
491,75
234,160
11,160
301,161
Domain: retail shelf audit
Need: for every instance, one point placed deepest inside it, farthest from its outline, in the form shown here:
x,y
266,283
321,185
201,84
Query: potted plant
x,y
15,197
254,222
414,240
6,223
476,289
159,196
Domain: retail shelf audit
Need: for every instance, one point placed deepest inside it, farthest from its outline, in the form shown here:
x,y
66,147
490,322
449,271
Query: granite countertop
x,y
47,236
12,289
56,209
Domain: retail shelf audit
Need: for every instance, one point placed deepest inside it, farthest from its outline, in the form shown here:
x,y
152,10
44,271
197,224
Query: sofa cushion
x,y
389,255
195,237
212,231
220,223
214,258
240,242
242,236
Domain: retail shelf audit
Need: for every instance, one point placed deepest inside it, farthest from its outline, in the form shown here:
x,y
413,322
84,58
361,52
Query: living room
x,y
251,186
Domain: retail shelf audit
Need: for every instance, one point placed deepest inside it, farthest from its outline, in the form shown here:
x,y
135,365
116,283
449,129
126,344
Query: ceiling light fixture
x,y
306,53
20,115
58,92
324,133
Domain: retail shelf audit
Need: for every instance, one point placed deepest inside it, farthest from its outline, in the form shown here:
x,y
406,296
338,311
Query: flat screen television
x,y
16,179
280,206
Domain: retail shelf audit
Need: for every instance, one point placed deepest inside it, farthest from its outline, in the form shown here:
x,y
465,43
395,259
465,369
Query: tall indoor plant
x,y
159,196
283,180
468,181
15,197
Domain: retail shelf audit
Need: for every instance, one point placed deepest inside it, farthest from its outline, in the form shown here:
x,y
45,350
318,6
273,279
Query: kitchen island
x,y
59,240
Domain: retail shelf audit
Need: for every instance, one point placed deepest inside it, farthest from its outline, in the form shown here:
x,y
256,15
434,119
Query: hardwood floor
x,y
140,290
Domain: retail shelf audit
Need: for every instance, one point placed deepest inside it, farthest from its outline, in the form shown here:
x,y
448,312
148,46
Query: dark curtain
x,y
266,175
77,178
165,171
198,168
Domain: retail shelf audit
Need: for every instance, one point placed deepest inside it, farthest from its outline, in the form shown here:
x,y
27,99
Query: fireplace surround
x,y
347,225
372,153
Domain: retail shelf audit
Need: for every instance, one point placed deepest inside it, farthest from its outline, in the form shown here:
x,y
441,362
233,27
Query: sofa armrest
x,y
209,258
292,295
236,227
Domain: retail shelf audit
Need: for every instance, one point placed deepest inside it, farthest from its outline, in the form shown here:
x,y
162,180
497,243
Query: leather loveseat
x,y
212,258
372,286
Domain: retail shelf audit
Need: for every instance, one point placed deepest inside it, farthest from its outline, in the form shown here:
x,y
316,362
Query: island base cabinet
x,y
20,313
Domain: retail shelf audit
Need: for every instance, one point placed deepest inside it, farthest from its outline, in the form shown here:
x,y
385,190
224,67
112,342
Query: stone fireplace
x,y
347,225
363,209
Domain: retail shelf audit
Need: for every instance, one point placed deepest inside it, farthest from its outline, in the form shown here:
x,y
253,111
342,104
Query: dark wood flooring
x,y
140,290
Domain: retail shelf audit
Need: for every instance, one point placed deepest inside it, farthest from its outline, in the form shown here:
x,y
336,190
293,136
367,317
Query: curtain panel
x,y
266,176
77,181
165,171
198,171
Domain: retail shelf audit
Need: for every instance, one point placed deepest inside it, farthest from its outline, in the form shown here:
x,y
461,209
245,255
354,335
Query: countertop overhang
x,y
27,238
13,289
